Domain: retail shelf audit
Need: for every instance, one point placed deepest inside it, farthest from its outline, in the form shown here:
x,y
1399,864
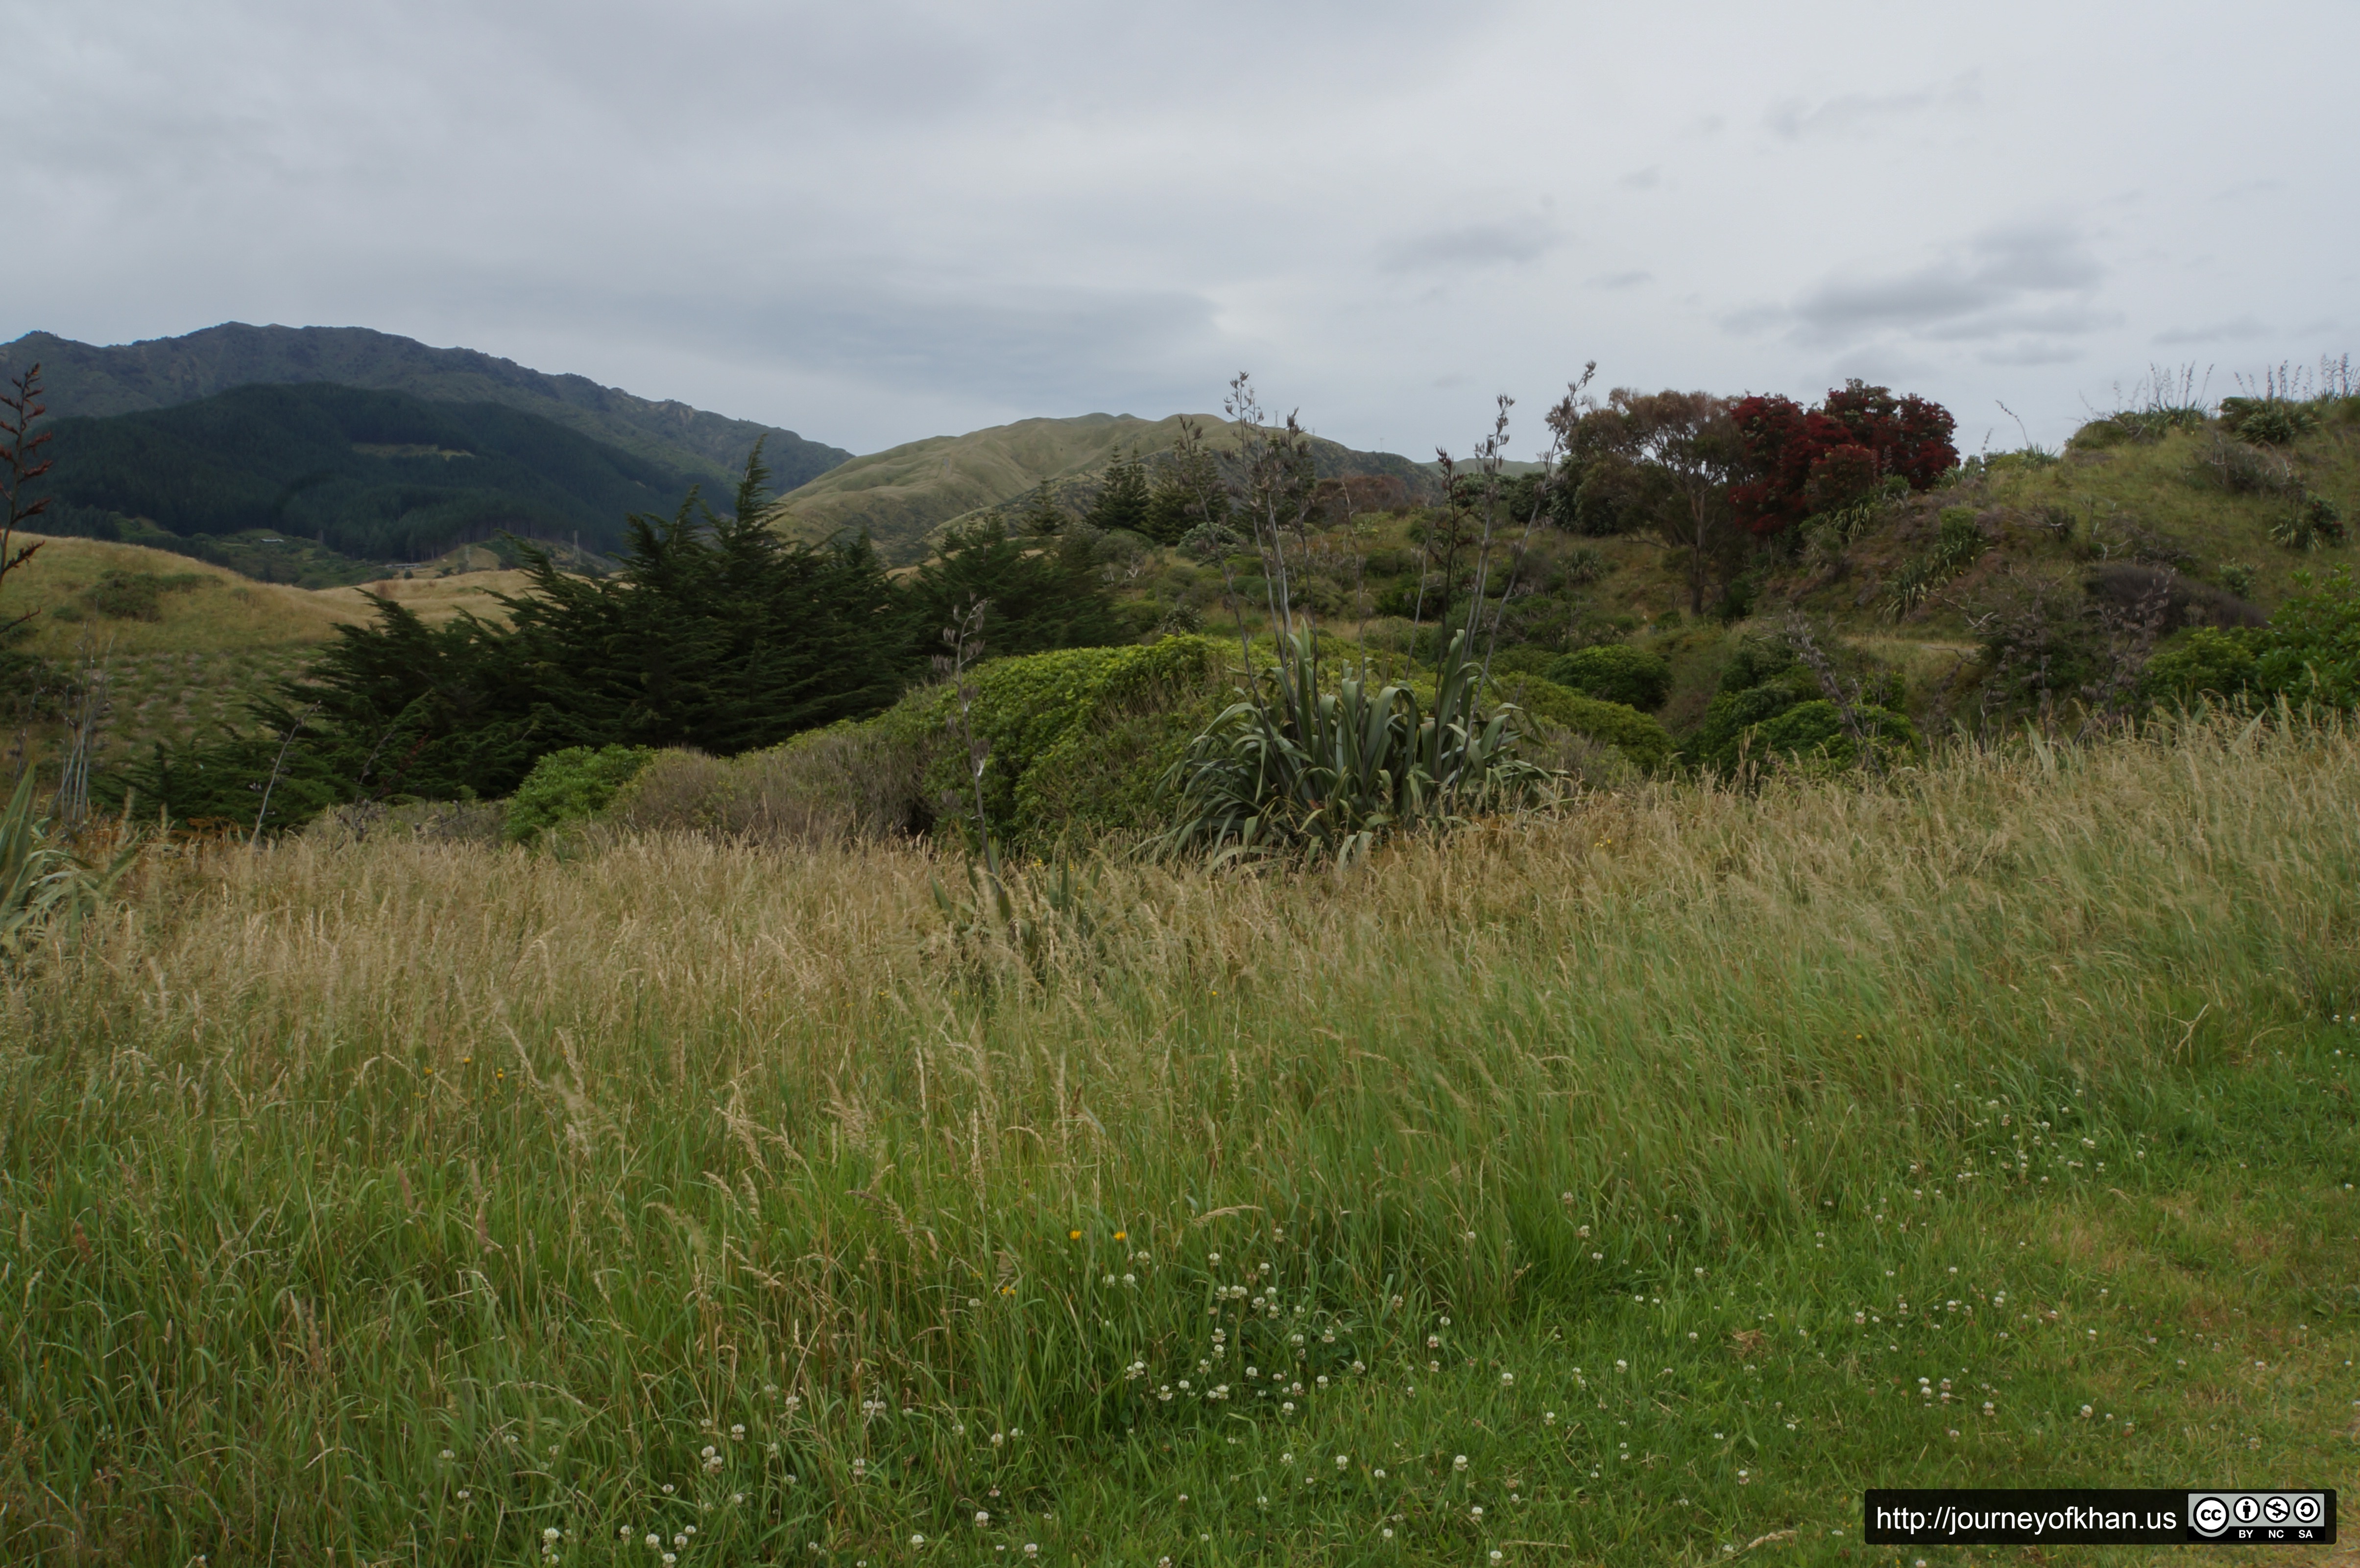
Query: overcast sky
x,y
875,222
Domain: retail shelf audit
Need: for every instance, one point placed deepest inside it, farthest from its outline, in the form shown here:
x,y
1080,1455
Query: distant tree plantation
x,y
378,475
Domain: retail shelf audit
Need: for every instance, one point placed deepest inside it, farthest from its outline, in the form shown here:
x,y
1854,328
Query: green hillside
x,y
904,496
379,476
87,379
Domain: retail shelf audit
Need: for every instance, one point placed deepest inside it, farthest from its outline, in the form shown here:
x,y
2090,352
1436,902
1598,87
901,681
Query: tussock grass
x,y
318,1162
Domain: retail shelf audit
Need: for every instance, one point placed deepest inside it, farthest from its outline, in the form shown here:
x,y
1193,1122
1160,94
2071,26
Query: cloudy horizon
x,y
905,220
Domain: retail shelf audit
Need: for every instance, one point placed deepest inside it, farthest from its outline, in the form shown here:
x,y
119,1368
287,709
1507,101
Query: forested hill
x,y
372,474
905,496
164,372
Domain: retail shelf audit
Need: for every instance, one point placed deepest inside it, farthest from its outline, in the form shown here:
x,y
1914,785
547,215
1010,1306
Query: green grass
x,y
397,1201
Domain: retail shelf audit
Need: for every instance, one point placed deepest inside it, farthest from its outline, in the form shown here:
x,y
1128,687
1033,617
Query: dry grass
x,y
222,612
317,1161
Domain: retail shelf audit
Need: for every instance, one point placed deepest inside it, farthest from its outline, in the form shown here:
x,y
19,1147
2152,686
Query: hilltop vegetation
x,y
163,372
902,498
2070,590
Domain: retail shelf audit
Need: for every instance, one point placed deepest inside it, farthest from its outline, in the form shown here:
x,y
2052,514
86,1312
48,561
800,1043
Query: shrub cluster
x,y
1771,704
1615,672
2308,653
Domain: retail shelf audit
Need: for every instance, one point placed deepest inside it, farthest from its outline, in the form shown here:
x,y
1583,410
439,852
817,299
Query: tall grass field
x,y
1631,1182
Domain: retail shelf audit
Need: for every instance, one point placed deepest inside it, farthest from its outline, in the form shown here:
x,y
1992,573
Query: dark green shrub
x,y
1772,704
1079,738
843,784
1637,737
2311,651
572,785
2207,662
2314,523
1814,733
2240,468
2308,653
1580,568
135,595
2268,421
1525,659
1615,672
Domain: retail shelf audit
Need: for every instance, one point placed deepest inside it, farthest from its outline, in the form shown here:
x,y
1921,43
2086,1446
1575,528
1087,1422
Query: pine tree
x,y
1043,595
1189,491
1122,501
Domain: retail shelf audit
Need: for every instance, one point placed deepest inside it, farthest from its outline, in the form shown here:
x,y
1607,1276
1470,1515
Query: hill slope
x,y
904,494
86,379
371,475
187,644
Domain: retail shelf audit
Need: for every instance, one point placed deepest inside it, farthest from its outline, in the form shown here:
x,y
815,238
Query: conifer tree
x,y
1122,501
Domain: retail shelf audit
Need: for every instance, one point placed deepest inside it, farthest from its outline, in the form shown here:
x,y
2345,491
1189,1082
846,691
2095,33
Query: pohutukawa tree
x,y
1804,461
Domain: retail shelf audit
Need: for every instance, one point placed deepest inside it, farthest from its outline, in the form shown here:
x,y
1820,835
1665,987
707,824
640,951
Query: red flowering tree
x,y
1806,461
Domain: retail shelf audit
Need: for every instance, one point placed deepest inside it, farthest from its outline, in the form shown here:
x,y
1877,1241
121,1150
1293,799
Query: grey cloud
x,y
1646,179
2219,331
1755,320
1852,112
1621,280
1508,241
2035,350
1988,288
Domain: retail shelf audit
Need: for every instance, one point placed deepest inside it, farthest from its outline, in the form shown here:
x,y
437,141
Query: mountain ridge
x,y
161,373
374,475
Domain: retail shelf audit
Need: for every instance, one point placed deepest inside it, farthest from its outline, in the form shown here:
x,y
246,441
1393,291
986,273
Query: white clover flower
x,y
550,1534
1507,1379
1476,1511
917,1541
654,1539
1460,1462
982,1516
